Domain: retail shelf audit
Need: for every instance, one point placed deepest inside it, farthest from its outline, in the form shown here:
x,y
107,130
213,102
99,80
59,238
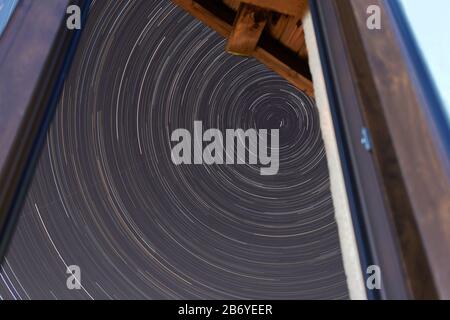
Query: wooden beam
x,y
233,4
248,27
278,24
293,36
403,183
290,7
423,159
221,27
224,28
285,71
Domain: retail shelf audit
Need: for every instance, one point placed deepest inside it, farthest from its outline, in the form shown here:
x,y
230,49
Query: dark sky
x,y
106,196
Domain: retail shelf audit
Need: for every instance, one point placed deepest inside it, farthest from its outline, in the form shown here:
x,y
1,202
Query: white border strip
x,y
343,217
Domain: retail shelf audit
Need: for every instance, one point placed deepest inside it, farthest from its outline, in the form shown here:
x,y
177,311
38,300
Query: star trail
x,y
107,197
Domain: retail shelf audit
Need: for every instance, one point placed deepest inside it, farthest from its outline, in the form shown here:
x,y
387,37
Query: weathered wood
x,y
293,36
248,27
205,16
277,24
290,7
423,162
224,28
233,4
407,228
285,71
287,29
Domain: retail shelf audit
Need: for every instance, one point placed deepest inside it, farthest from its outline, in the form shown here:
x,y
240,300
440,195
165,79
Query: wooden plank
x,y
303,52
205,16
248,27
224,28
423,159
293,36
378,88
287,29
277,24
233,4
290,7
285,71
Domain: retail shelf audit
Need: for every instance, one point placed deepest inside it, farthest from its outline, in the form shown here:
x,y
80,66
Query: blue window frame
x,y
6,10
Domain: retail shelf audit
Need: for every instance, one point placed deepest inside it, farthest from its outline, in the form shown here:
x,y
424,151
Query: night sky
x,y
107,197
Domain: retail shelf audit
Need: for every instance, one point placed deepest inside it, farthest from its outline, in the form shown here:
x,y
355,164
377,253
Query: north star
x,y
188,310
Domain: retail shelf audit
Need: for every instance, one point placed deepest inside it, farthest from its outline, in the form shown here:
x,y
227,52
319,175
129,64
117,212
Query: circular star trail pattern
x,y
107,197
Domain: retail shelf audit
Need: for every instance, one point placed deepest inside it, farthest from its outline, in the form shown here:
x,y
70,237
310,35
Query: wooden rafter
x,y
225,29
289,7
248,27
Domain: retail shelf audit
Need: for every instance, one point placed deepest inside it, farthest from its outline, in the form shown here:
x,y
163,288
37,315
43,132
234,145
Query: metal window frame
x,y
26,115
